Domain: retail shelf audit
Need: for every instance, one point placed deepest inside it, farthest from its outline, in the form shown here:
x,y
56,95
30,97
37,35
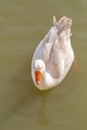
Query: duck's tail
x,y
64,25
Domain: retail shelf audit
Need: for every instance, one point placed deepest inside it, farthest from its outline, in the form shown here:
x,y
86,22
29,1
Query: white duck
x,y
54,55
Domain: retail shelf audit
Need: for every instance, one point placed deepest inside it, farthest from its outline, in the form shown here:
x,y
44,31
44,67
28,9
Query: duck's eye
x,y
34,67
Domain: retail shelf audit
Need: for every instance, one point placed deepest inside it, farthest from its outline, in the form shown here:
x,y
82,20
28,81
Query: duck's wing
x,y
61,49
43,50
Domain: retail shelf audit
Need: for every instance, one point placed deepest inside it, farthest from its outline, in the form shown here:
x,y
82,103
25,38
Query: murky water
x,y
23,23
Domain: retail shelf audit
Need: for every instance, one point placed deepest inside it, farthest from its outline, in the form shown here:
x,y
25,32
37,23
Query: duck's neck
x,y
48,80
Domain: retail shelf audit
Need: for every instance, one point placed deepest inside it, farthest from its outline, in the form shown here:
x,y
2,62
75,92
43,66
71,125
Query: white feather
x,y
54,54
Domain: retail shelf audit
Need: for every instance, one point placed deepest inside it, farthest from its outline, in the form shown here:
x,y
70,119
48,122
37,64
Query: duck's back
x,y
55,49
61,55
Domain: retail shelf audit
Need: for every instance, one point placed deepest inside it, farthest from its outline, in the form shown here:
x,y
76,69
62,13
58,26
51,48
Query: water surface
x,y
22,25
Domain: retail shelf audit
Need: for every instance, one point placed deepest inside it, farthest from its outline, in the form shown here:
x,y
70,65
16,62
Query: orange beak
x,y
38,76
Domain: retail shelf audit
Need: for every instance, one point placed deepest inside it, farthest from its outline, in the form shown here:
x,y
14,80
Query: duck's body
x,y
54,55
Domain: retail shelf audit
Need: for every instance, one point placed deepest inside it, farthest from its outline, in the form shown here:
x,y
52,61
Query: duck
x,y
54,55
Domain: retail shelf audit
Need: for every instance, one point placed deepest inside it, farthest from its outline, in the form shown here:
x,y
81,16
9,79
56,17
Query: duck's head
x,y
38,67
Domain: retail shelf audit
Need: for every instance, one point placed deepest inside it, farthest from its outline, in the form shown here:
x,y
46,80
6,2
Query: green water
x,y
23,23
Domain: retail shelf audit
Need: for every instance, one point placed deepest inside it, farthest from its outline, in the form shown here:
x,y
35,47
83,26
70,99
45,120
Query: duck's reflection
x,y
43,119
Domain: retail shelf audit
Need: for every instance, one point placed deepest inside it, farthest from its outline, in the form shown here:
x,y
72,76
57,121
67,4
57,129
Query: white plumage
x,y
53,56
